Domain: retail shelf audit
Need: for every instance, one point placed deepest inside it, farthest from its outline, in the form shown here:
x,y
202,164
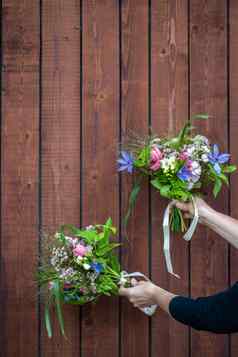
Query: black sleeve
x,y
216,313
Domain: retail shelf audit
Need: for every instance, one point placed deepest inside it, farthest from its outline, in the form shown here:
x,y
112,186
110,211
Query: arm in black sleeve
x,y
216,313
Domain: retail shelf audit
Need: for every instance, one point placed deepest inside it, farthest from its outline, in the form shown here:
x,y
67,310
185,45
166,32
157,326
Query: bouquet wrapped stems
x,y
177,221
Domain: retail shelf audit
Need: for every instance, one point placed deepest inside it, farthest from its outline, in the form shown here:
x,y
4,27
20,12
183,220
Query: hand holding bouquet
x,y
79,266
179,168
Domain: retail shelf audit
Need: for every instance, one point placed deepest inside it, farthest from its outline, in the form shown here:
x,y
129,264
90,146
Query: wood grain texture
x,y
169,109
19,204
208,85
134,76
100,123
233,86
61,143
187,70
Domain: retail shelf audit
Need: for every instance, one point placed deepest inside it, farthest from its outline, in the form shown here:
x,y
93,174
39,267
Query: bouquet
x,y
179,168
79,266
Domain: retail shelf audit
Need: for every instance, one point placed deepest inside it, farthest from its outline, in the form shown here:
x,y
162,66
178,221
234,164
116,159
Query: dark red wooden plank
x,y
169,107
19,204
61,142
233,84
100,124
209,252
134,66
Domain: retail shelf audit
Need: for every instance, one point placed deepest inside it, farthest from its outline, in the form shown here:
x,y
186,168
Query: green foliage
x,y
143,157
229,168
132,200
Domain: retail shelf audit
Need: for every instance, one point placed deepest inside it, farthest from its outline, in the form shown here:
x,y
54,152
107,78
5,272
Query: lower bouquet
x,y
78,266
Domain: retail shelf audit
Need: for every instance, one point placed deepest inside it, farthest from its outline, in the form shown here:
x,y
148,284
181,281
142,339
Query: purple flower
x,y
215,158
184,173
97,267
126,162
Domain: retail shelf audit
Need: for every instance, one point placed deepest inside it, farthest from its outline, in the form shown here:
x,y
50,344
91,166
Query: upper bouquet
x,y
78,266
179,168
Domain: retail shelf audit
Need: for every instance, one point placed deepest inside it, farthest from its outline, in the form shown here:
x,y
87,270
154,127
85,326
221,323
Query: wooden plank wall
x,y
76,75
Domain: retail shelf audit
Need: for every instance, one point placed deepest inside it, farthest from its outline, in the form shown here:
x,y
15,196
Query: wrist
x,y
155,291
205,213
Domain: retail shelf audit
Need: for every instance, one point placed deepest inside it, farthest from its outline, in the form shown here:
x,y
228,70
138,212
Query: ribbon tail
x,y
166,247
188,235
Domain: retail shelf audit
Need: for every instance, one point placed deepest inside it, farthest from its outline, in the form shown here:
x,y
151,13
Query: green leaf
x,y
200,116
114,262
156,183
89,235
107,248
224,178
217,187
57,296
47,320
164,190
229,168
132,200
143,157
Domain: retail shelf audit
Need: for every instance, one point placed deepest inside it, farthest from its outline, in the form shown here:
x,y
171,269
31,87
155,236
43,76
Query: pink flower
x,y
155,158
80,250
183,155
67,286
189,164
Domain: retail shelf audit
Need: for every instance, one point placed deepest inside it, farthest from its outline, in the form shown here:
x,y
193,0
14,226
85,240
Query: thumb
x,y
181,205
124,291
142,282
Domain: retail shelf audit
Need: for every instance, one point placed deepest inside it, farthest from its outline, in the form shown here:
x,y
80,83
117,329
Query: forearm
x,y
222,224
162,298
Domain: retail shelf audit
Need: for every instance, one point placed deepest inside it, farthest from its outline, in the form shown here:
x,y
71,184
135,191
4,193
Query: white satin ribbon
x,y
187,236
148,310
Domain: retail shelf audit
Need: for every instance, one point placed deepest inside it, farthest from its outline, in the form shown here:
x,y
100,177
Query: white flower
x,y
79,259
86,266
204,158
202,139
88,228
122,281
57,235
206,149
195,165
168,163
190,185
190,150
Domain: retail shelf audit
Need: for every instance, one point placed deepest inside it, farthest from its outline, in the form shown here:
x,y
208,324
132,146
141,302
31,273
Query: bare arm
x,y
225,226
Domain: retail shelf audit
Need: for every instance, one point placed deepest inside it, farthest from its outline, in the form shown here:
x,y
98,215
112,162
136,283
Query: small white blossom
x,y
201,139
86,266
57,235
168,163
88,228
79,259
204,158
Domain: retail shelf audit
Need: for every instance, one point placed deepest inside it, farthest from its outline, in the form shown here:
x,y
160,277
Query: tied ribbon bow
x,y
187,236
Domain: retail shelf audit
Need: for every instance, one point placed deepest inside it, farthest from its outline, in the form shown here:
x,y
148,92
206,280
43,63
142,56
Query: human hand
x,y
142,294
188,209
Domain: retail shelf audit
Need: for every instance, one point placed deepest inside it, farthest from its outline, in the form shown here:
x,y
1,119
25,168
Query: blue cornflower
x,y
126,162
97,267
184,173
215,158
